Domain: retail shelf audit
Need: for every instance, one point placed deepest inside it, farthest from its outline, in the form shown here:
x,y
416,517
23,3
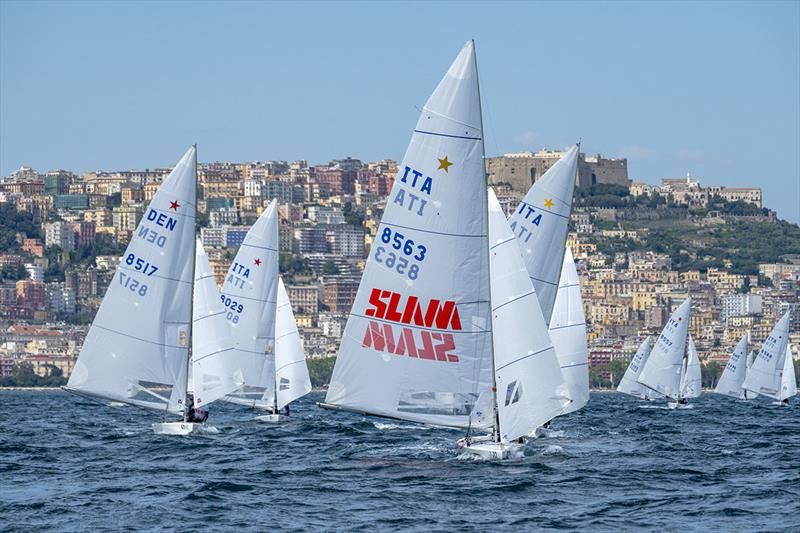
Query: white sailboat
x,y
629,384
662,370
691,377
788,380
540,225
418,344
137,349
730,382
765,375
568,333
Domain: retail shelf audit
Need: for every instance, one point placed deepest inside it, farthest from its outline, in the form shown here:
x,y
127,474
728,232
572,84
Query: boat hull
x,y
493,451
271,418
175,428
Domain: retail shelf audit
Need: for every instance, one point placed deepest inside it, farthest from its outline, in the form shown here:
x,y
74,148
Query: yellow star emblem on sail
x,y
444,164
548,203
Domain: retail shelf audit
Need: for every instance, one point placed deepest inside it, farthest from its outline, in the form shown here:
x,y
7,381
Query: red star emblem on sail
x,y
174,205
257,262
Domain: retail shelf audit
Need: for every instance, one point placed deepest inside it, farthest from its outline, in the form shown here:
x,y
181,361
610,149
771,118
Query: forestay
x,y
137,348
530,387
788,380
216,364
417,344
249,294
730,382
291,372
540,225
766,372
691,379
662,371
568,333
629,383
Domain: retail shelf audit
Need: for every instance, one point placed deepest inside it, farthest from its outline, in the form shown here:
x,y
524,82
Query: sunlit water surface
x,y
70,464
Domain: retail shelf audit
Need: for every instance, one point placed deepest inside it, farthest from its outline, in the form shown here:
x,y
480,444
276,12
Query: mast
x,y
191,305
488,252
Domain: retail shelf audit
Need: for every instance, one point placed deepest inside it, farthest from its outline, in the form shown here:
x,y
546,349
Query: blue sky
x,y
708,88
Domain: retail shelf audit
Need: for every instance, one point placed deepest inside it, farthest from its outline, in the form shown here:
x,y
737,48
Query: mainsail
x,y
540,225
216,364
764,376
730,382
291,372
137,349
629,383
568,333
789,380
691,378
662,371
417,344
249,293
530,387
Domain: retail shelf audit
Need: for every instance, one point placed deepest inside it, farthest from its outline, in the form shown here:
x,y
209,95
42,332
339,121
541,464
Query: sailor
x,y
196,415
683,401
287,409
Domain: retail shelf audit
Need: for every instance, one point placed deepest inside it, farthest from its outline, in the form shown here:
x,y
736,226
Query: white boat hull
x,y
494,451
271,418
676,405
175,428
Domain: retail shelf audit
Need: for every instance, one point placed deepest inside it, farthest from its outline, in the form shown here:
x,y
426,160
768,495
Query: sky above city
x,y
709,88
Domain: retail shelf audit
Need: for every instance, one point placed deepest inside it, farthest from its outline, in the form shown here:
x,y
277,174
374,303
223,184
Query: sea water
x,y
70,464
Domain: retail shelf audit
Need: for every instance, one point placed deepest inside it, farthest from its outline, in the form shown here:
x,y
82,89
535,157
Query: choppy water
x,y
70,464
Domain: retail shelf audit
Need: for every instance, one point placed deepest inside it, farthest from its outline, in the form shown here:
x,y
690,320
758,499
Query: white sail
x,y
291,372
568,333
662,371
540,225
417,344
691,379
749,395
137,350
788,380
216,364
764,377
628,383
730,382
249,294
530,387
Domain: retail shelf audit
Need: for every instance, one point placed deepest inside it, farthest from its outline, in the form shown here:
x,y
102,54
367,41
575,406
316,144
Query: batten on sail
x,y
136,350
417,344
662,371
730,382
540,225
291,371
765,374
568,333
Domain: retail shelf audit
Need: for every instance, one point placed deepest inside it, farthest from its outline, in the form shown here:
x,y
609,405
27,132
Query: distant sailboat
x,y
788,380
419,343
629,384
137,350
730,382
691,377
766,373
568,333
663,368
291,372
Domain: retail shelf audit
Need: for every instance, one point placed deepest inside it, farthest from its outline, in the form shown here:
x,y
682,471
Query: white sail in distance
x,y
629,384
662,371
417,344
691,379
788,380
540,225
764,376
530,387
137,349
249,294
291,371
730,382
568,333
216,364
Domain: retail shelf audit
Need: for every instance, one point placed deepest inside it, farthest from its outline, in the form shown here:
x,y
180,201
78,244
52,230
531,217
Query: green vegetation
x,y
352,216
13,222
329,268
320,370
23,375
293,264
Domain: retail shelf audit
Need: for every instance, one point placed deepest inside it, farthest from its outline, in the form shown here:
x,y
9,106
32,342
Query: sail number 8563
x,y
403,245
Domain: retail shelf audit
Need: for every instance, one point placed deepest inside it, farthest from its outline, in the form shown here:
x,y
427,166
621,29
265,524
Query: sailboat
x,y
137,350
663,369
788,380
691,377
259,313
730,382
766,373
421,342
568,332
629,384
